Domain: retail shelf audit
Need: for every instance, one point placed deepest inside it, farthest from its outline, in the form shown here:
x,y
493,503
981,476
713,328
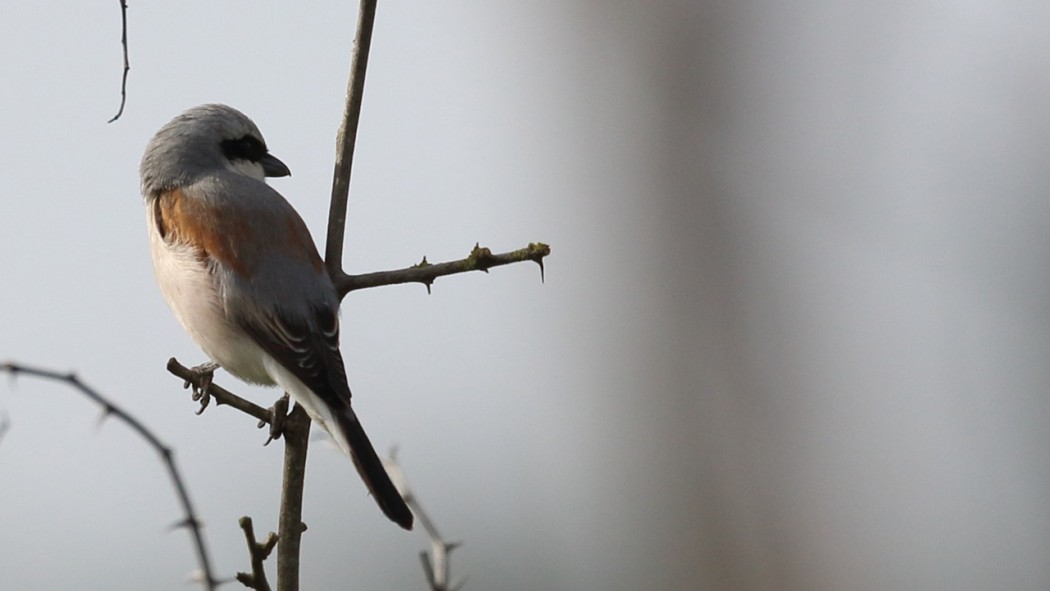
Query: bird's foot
x,y
278,417
200,383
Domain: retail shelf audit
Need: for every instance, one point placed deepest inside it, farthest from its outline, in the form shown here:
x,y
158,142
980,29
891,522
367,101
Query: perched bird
x,y
239,269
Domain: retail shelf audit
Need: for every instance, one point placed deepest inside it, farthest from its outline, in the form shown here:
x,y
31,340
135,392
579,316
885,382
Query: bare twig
x,y
436,563
346,139
290,526
258,552
480,259
127,65
190,520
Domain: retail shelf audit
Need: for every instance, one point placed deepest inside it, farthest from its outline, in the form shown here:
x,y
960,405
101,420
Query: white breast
x,y
193,294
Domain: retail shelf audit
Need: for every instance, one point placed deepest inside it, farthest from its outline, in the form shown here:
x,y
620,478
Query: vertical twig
x,y
347,138
297,430
290,525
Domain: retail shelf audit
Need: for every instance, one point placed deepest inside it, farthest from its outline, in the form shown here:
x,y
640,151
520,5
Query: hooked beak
x,y
274,167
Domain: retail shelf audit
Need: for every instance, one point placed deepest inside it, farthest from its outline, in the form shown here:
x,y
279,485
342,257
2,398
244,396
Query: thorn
x,y
5,423
540,263
104,414
480,258
12,375
428,284
188,523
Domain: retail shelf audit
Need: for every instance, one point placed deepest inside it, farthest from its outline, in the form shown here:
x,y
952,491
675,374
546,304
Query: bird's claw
x,y
278,415
200,384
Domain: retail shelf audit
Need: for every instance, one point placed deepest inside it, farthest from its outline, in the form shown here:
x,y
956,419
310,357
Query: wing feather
x,y
274,287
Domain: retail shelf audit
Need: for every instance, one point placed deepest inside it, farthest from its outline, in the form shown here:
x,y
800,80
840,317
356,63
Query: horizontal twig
x,y
221,395
480,259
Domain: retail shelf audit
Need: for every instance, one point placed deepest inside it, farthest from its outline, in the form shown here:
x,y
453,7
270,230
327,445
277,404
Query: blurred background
x,y
793,333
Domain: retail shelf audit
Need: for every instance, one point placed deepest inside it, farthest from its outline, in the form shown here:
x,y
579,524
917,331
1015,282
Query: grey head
x,y
205,140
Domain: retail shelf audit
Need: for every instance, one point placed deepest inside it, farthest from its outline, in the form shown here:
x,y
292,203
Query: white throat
x,y
248,169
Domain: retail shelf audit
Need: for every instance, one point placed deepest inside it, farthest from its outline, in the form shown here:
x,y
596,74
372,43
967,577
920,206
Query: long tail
x,y
371,469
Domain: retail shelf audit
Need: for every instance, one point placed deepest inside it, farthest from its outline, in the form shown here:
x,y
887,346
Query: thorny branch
x,y
480,259
190,520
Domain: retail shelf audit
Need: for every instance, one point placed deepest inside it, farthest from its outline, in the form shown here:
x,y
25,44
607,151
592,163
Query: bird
x,y
239,269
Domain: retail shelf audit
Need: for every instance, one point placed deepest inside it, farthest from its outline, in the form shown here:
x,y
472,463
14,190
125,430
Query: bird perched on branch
x,y
239,269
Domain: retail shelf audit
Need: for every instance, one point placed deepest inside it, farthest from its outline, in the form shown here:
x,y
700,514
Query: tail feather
x,y
371,469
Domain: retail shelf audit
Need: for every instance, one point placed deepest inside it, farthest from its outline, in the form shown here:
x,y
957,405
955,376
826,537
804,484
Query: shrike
x,y
238,267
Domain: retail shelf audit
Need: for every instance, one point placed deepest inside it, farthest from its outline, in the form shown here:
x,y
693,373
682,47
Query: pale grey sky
x,y
793,334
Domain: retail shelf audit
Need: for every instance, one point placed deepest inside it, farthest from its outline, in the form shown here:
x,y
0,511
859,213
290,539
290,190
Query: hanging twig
x,y
127,65
190,520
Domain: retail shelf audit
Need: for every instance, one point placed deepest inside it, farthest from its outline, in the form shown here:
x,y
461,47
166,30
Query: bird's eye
x,y
245,148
